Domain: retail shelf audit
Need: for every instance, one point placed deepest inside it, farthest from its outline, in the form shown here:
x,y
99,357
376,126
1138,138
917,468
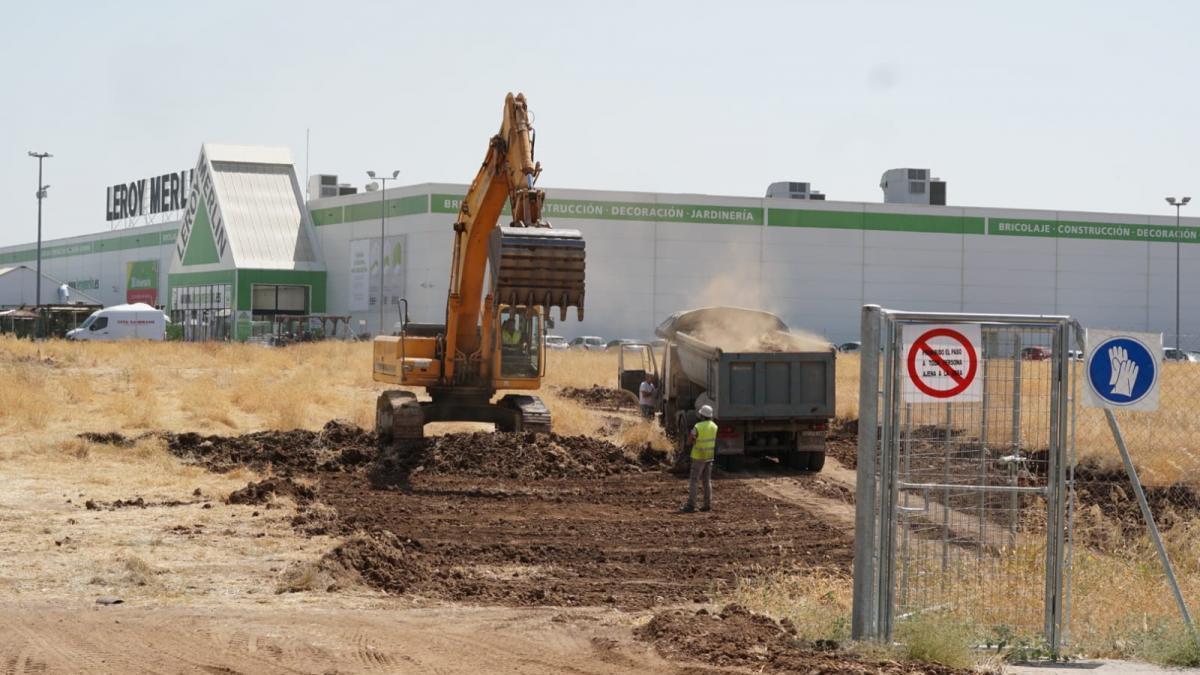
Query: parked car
x,y
1179,355
1035,353
589,342
616,344
556,342
848,347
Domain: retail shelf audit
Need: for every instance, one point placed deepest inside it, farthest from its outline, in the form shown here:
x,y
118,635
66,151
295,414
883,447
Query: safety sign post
x,y
1123,374
941,363
1122,369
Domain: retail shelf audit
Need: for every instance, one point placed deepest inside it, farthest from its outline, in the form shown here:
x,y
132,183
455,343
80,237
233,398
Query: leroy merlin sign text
x,y
158,194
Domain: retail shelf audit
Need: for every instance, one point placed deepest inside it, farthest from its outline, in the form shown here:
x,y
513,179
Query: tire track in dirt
x,y
25,642
369,655
828,494
76,639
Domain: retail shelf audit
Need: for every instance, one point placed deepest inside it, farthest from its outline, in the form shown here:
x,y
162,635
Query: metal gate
x,y
961,505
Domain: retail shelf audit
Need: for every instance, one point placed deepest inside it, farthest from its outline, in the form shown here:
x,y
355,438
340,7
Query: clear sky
x,y
1062,105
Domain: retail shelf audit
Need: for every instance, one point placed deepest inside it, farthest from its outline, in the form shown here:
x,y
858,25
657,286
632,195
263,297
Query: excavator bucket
x,y
538,266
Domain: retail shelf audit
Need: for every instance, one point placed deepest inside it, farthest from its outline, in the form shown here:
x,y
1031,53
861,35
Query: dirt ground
x,y
76,637
316,551
585,542
303,551
535,519
308,551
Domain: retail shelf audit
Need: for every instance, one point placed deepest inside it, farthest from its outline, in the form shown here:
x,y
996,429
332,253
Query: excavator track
x,y
535,416
538,266
398,416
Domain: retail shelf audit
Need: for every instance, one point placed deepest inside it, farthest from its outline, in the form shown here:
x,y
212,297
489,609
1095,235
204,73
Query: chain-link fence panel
x,y
1120,587
968,496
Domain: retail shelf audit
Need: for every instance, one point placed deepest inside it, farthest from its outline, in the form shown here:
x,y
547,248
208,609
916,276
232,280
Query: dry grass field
x,y
52,391
54,387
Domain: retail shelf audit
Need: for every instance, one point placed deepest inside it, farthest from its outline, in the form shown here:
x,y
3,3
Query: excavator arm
x,y
532,264
533,268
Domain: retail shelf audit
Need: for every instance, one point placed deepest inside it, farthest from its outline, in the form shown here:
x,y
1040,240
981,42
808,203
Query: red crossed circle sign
x,y
961,382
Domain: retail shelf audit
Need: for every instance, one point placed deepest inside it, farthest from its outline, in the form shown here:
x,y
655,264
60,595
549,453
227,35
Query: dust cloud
x,y
757,336
739,285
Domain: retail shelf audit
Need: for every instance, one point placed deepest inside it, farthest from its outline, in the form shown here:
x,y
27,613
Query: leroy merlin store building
x,y
248,247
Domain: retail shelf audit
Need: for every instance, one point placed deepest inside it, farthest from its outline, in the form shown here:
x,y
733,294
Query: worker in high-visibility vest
x,y
703,438
510,335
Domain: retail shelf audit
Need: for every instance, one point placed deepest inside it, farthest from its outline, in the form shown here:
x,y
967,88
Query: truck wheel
x,y
731,463
794,459
816,461
668,419
682,460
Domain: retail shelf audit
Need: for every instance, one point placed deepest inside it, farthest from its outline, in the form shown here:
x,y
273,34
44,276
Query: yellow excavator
x,y
495,341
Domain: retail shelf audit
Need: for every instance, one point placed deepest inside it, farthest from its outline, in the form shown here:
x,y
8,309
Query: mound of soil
x,y
380,559
842,443
377,559
736,637
264,490
315,518
516,455
1107,493
827,488
338,446
776,342
600,397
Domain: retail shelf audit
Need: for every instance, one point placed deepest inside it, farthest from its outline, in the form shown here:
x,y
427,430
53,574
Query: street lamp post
x,y
41,194
1178,204
382,216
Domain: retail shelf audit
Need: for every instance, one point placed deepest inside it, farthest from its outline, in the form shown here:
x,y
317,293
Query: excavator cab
x,y
522,352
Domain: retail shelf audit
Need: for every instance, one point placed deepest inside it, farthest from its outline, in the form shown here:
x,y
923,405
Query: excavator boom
x,y
532,264
533,268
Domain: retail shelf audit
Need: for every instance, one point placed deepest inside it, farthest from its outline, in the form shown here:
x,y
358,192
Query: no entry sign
x,y
941,363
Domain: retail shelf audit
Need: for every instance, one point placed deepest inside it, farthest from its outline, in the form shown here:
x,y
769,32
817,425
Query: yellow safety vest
x,y
705,447
511,338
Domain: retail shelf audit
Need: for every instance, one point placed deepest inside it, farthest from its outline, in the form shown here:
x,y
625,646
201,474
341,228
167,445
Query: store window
x,y
269,300
202,312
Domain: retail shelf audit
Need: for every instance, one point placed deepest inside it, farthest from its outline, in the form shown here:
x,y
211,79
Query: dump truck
x,y
771,391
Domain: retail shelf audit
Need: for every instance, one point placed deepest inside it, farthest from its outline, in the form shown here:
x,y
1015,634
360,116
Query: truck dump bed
x,y
780,376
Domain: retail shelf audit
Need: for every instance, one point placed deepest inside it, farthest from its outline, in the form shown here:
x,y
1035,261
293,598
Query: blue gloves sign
x,y
1122,369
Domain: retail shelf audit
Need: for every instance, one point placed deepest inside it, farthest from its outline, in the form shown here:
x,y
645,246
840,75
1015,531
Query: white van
x,y
120,322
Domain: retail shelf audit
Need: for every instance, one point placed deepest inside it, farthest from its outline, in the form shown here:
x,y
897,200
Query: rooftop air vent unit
x,y
792,190
323,185
912,186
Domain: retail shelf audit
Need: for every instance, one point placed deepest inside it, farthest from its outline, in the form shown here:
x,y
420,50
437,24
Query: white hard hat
x,y
706,412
